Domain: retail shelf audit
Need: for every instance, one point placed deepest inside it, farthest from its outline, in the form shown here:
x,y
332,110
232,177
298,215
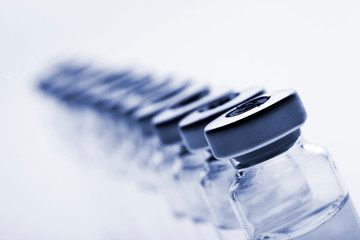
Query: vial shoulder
x,y
220,178
315,149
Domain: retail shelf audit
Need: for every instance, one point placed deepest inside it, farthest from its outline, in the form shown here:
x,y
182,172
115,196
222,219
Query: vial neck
x,y
267,152
217,165
287,159
169,151
193,158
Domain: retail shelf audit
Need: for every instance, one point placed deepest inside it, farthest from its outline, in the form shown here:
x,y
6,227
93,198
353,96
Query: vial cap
x,y
192,126
62,75
255,124
76,83
113,99
104,84
176,93
165,124
134,100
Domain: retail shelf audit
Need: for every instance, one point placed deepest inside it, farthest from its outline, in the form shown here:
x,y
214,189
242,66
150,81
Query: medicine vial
x,y
285,187
206,175
154,167
165,126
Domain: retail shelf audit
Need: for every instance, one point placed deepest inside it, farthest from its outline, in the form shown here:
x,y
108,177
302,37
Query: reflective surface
x,y
290,195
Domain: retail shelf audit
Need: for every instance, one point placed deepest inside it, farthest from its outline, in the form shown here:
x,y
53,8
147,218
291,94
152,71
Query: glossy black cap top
x,y
247,131
192,126
165,124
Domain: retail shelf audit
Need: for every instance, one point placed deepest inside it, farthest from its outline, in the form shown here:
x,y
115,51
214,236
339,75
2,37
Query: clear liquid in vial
x,y
342,224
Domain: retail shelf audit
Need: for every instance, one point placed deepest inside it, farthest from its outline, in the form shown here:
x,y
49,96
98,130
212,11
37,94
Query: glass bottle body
x,y
215,182
294,195
186,174
161,163
145,160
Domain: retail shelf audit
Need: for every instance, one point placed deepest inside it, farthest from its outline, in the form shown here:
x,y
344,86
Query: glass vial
x,y
205,175
285,187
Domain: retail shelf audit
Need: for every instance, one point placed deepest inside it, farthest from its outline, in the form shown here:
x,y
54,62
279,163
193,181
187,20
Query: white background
x,y
312,46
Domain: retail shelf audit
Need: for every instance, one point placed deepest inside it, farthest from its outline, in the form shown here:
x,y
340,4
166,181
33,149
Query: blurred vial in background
x,y
119,108
87,118
116,109
215,175
158,166
165,125
67,116
102,127
285,187
110,124
78,104
141,117
61,76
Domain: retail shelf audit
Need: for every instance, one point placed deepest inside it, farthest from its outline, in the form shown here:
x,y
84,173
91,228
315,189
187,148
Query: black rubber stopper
x,y
165,124
192,126
175,94
257,129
